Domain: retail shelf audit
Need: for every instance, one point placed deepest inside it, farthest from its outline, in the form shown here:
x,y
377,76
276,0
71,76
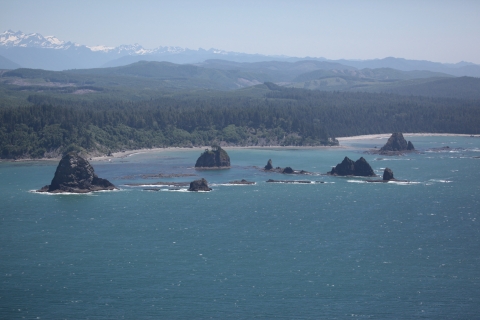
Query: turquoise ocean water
x,y
341,249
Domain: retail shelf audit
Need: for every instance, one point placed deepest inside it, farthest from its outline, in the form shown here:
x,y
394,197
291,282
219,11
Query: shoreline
x,y
127,153
387,135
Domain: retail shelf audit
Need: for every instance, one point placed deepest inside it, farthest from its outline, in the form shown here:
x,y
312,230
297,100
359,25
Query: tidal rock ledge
x,y
74,174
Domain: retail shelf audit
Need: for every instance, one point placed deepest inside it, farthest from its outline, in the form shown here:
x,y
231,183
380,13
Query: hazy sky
x,y
435,30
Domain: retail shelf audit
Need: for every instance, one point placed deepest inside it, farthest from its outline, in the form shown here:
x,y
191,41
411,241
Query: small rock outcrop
x,y
396,143
388,174
199,185
75,174
215,159
288,170
387,177
350,168
269,165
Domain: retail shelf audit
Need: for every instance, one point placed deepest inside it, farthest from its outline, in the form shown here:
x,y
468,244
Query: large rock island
x,y
74,174
396,144
217,158
350,168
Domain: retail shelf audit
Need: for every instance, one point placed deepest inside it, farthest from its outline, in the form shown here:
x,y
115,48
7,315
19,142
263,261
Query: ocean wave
x,y
91,194
440,180
232,184
357,181
178,190
403,183
391,159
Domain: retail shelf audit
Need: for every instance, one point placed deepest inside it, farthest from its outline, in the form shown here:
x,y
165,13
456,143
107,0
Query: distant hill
x,y
276,71
458,69
459,88
50,53
8,64
146,79
381,74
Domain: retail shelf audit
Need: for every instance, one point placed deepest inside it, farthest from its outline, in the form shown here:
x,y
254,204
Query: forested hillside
x,y
277,116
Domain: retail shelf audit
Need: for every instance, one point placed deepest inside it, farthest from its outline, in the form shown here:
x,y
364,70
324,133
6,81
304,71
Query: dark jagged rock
x,y
269,165
288,170
388,174
75,174
396,143
215,158
349,168
199,185
345,168
363,169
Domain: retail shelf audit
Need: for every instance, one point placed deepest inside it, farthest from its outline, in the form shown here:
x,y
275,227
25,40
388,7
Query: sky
x,y
440,31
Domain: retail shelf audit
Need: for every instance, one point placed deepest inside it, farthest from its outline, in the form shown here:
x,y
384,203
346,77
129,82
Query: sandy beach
x,y
340,139
387,135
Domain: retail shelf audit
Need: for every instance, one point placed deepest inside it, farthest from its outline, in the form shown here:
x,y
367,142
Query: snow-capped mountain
x,y
28,51
11,38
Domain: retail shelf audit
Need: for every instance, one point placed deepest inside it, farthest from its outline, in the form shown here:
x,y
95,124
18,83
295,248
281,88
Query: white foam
x,y
64,193
356,181
403,183
179,190
232,184
440,180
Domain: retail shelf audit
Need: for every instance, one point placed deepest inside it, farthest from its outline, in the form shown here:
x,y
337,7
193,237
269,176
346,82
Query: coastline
x,y
387,135
127,153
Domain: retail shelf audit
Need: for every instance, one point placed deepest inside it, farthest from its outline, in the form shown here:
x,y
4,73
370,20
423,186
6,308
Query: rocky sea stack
x,y
269,165
388,174
215,158
75,174
199,185
397,143
350,168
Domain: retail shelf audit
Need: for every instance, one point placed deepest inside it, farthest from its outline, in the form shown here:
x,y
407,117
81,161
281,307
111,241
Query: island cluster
x,y
74,174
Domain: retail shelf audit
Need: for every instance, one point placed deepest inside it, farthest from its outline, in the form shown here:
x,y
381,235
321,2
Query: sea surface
x,y
334,250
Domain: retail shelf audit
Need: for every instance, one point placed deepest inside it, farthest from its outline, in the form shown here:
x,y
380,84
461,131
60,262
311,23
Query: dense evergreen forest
x,y
283,116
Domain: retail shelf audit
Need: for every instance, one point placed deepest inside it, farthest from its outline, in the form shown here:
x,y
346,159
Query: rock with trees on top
x,y
216,158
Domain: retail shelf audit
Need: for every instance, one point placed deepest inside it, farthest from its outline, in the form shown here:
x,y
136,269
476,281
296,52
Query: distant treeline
x,y
282,117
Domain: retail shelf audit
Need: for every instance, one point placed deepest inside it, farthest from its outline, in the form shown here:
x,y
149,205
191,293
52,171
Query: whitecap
x,y
403,183
440,180
65,193
232,184
356,181
178,190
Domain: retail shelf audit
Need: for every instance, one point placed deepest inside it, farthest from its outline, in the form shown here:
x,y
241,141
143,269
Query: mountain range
x,y
36,51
